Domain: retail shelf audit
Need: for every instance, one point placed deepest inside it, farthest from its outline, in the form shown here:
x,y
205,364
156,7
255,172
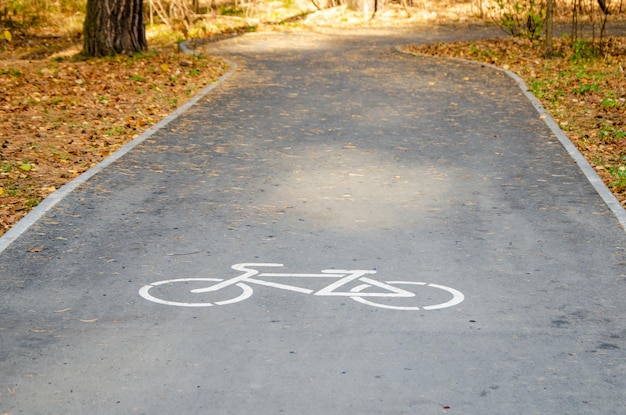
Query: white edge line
x,y
593,177
49,202
609,199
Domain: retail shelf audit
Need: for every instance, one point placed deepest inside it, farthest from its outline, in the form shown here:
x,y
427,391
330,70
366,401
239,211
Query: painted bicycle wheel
x,y
428,296
180,288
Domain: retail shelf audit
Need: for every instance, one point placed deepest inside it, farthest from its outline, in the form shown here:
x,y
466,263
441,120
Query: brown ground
x,y
59,116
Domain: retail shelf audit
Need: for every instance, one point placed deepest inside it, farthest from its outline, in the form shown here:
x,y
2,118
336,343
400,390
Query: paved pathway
x,y
395,174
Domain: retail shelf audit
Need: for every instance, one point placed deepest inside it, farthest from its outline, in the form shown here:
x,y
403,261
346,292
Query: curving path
x,y
442,251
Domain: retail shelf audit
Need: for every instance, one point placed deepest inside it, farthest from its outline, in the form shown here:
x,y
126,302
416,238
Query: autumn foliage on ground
x,y
60,116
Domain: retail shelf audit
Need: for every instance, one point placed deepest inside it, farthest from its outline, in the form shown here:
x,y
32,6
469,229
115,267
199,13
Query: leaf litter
x,y
60,116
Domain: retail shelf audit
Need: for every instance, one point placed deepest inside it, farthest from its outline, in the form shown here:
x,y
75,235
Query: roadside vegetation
x,y
61,114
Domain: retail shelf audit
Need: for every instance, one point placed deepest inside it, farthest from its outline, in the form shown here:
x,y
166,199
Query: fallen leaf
x,y
63,311
38,249
93,320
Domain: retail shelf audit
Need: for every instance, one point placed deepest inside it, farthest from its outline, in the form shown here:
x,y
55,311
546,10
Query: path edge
x,y
596,181
592,176
54,198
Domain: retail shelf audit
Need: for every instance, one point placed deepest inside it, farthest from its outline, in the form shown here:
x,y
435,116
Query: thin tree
x,y
114,27
604,7
549,27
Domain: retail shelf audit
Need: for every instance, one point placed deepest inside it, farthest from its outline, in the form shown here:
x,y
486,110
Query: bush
x,y
524,18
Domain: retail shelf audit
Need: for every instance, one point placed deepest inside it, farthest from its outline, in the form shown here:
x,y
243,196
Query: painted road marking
x,y
370,288
457,297
145,293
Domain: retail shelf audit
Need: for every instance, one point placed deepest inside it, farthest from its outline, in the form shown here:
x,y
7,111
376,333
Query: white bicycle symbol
x,y
363,293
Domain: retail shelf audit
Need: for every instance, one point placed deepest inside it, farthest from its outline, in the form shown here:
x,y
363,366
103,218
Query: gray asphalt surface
x,y
326,151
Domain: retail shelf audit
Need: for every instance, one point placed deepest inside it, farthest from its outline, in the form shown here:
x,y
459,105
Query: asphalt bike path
x,y
335,228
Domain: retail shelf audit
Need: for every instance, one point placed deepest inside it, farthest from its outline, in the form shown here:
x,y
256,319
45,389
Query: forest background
x,y
61,113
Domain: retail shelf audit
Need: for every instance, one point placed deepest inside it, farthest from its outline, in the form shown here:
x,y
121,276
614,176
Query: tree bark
x,y
549,27
114,27
604,7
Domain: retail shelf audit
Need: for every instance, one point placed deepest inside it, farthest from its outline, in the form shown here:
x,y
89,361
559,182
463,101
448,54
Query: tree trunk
x,y
604,7
113,27
549,27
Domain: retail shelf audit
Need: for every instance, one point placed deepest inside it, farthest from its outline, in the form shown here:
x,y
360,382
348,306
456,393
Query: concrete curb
x,y
54,198
609,199
593,177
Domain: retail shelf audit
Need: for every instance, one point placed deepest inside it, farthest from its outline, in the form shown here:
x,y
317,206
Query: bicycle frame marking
x,y
344,277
